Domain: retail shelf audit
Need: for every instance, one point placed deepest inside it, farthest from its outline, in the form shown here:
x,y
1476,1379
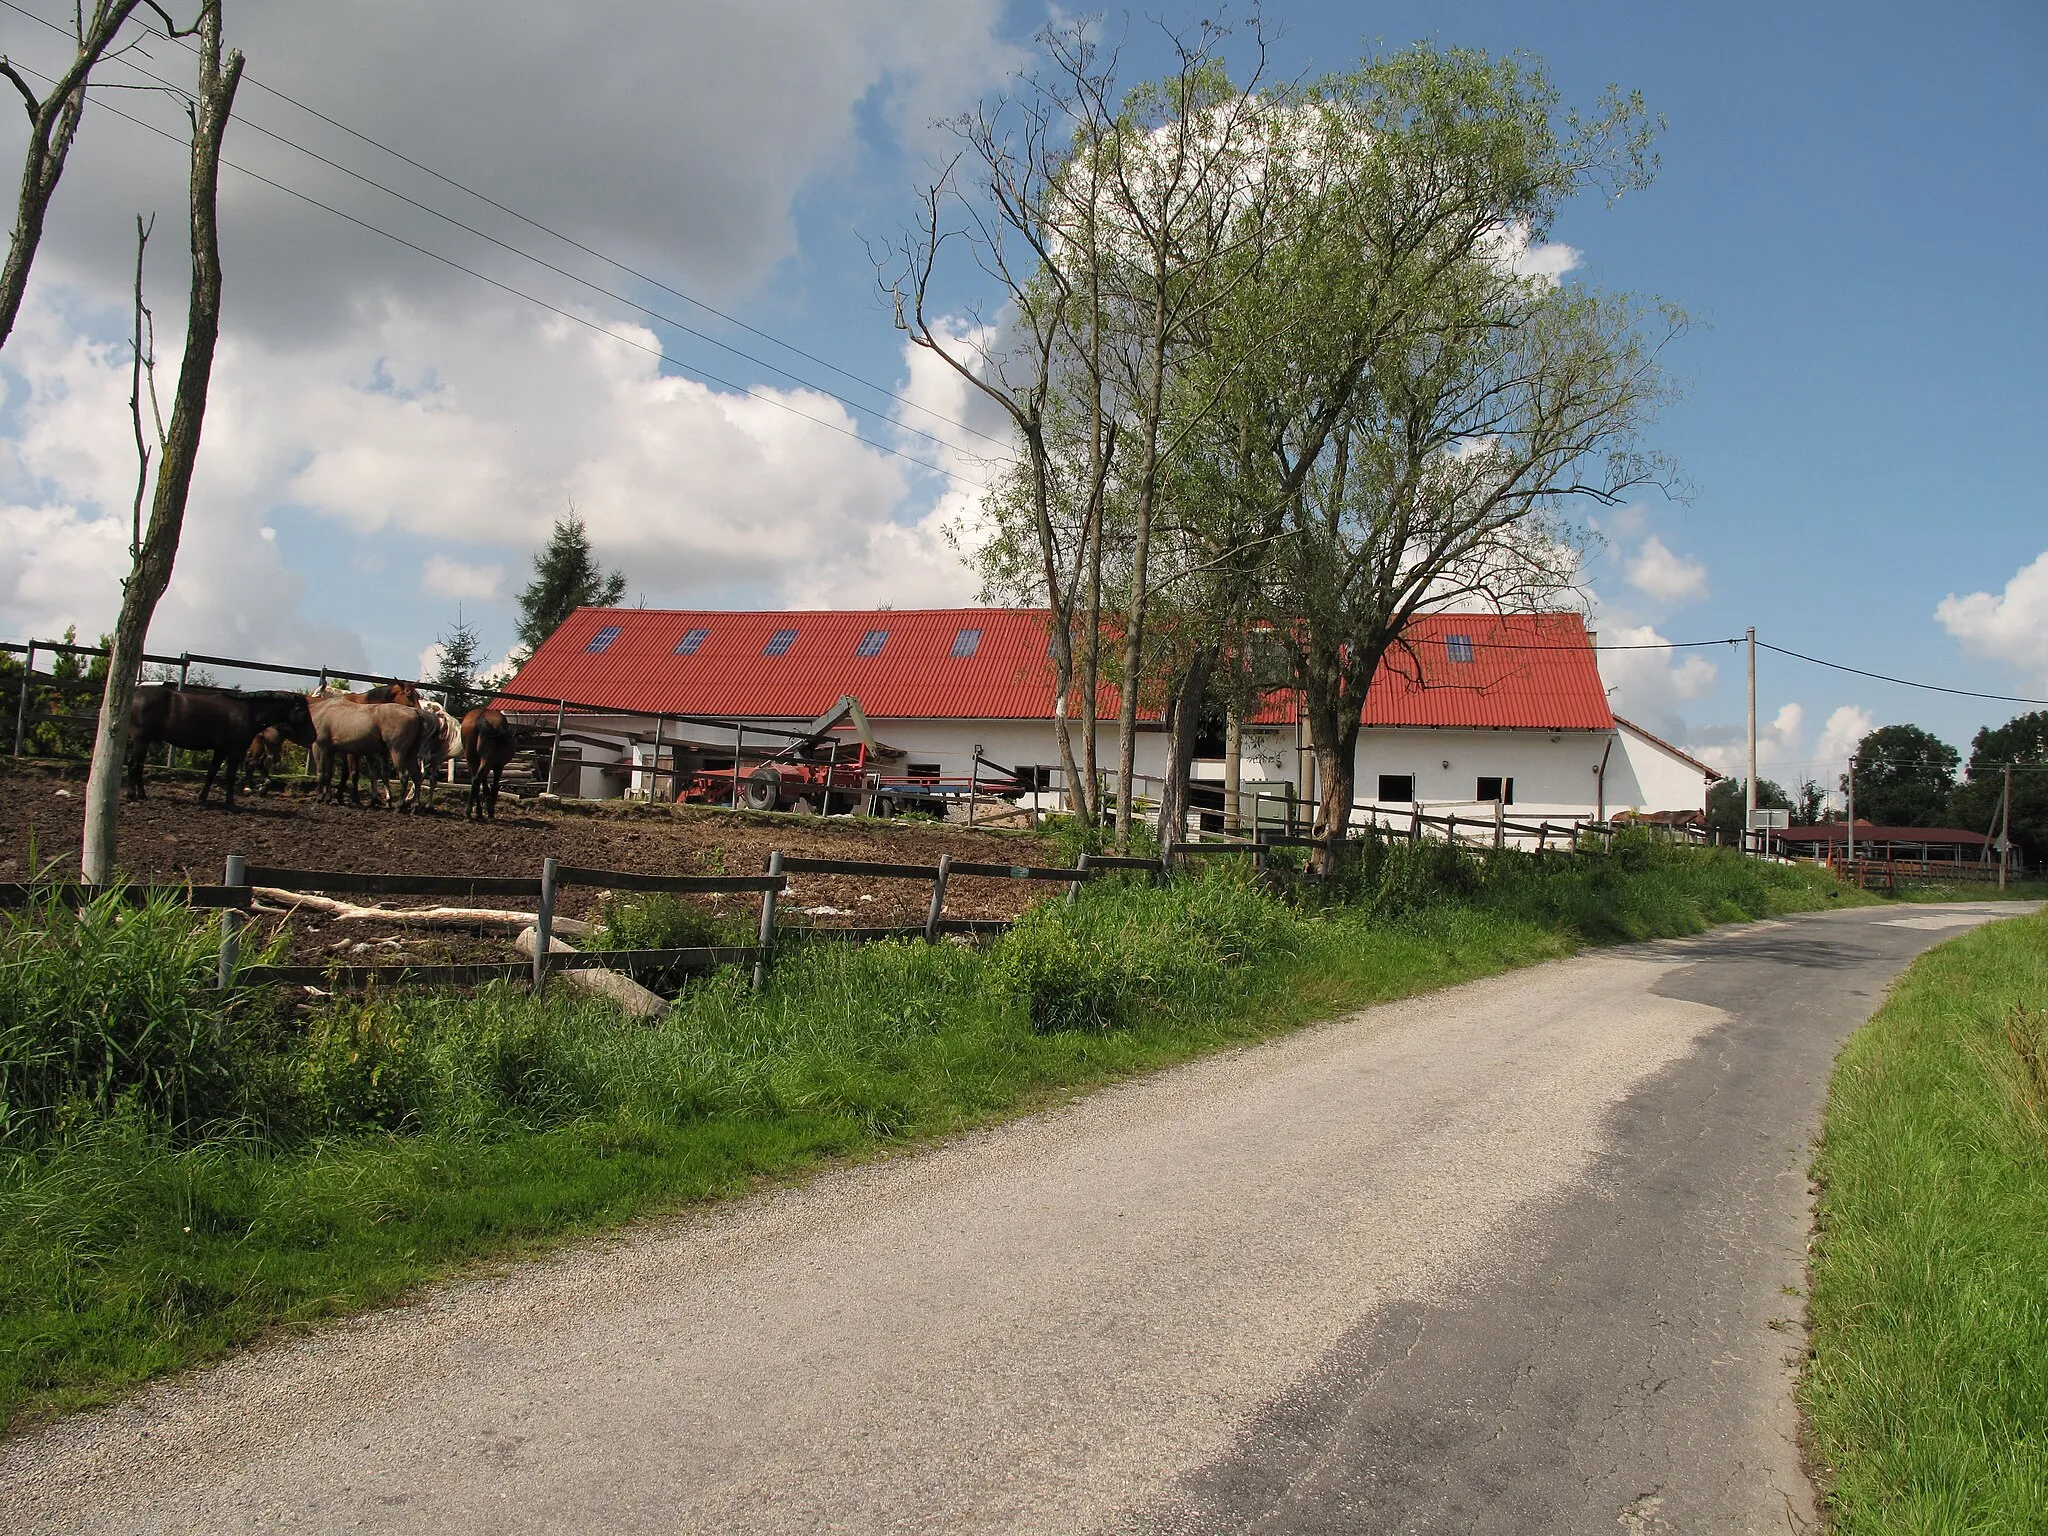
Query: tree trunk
x,y
1233,769
53,125
153,562
1141,592
1183,726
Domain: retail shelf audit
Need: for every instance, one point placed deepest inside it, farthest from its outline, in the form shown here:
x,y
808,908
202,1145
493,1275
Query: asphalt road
x,y
1524,1256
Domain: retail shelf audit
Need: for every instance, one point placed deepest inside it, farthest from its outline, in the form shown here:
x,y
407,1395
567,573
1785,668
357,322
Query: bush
x,y
361,1066
1066,978
665,922
114,1005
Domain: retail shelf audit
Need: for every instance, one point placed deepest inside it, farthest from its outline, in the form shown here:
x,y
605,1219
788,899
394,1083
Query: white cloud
x,y
445,577
477,429
1516,249
1670,578
1648,685
1847,726
2011,627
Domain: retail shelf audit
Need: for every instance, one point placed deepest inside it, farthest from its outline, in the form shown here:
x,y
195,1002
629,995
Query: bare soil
x,y
170,838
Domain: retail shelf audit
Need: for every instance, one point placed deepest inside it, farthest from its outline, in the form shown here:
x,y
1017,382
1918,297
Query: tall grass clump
x,y
112,1006
661,921
1926,1389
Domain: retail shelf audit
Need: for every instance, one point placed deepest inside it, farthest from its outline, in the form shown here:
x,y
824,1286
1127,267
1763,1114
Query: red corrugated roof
x,y
1532,672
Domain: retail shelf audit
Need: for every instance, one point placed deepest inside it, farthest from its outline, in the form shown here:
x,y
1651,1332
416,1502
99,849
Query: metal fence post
x,y
767,923
28,670
739,738
1080,874
973,785
543,926
237,873
931,919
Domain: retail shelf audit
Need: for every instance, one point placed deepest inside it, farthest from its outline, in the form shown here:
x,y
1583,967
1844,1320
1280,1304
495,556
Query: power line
x,y
574,277
553,233
1967,693
518,293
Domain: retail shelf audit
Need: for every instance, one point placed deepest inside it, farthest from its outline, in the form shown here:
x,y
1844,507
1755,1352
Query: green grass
x,y
303,1167
1927,1392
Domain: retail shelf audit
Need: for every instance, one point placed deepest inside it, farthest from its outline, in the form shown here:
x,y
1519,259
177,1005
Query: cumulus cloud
x,y
389,427
412,433
1649,685
445,577
1845,727
1670,578
2011,626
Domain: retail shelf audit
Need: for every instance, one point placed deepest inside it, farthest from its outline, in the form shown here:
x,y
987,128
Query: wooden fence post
x,y
555,751
1414,823
543,926
973,785
739,740
1074,885
28,669
237,873
931,919
1499,819
767,924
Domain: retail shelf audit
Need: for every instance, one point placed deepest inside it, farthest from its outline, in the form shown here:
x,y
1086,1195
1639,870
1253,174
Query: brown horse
x,y
222,721
488,742
386,736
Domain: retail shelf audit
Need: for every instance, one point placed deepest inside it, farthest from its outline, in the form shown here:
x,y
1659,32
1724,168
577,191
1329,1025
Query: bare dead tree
x,y
1025,221
157,549
53,125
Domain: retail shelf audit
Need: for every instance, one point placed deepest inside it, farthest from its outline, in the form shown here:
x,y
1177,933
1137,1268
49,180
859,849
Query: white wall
x,y
1644,775
1554,772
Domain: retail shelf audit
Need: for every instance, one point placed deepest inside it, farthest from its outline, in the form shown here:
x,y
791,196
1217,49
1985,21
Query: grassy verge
x,y
1927,1393
175,1179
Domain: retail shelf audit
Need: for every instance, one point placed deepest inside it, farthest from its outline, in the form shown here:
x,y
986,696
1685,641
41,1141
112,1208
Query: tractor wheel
x,y
764,789
885,806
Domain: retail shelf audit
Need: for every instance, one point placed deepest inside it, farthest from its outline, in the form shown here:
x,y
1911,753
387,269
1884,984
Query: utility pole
x,y
1851,855
2005,828
1749,817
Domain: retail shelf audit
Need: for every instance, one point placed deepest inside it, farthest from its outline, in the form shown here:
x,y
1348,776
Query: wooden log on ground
x,y
413,917
632,999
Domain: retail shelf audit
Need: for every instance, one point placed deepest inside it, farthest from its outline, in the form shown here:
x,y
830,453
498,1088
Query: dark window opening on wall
x,y
1502,790
1397,786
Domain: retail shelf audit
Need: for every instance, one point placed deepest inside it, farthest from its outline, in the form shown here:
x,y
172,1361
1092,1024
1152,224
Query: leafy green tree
x,y
566,576
1728,805
2023,742
462,659
1810,803
1905,777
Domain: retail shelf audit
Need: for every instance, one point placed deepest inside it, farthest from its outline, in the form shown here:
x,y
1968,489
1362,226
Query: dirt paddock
x,y
171,838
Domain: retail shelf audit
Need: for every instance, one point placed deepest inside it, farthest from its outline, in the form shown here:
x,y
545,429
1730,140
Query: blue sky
x,y
1843,206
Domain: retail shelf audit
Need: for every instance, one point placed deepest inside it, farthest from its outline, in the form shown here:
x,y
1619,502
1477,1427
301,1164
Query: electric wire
x,y
545,229
1967,693
518,293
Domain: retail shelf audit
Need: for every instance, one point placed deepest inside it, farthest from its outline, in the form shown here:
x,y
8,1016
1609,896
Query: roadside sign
x,y
1761,820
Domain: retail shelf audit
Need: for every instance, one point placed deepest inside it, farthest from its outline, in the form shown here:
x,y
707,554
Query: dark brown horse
x,y
222,721
488,742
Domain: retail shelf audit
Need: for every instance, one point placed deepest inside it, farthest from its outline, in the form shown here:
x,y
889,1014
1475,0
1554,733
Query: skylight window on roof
x,y
967,642
1459,648
779,642
602,640
872,642
687,646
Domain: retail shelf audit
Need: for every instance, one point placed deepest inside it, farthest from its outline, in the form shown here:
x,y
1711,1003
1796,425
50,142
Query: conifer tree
x,y
566,576
461,660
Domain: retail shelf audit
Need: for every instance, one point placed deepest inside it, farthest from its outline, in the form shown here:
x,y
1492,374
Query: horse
x,y
488,742
386,735
266,755
222,721
440,740
396,692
